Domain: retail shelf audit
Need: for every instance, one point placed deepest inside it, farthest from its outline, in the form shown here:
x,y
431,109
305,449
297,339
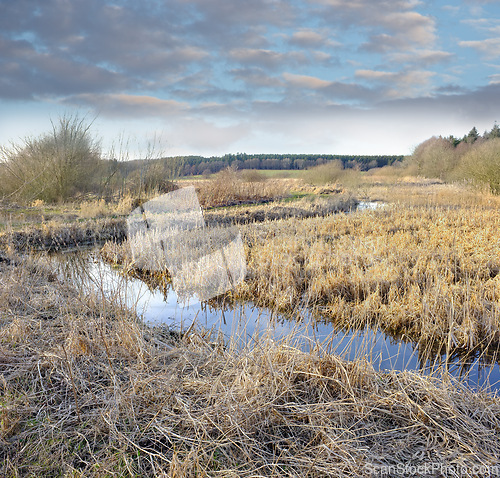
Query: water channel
x,y
247,323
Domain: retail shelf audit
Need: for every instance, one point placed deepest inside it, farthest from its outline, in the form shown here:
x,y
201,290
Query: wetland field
x,y
363,341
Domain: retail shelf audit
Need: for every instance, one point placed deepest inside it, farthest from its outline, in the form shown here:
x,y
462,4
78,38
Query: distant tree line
x,y
196,165
473,157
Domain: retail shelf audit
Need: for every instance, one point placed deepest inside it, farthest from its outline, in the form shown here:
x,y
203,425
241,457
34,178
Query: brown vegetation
x,y
301,208
427,271
228,188
430,273
89,391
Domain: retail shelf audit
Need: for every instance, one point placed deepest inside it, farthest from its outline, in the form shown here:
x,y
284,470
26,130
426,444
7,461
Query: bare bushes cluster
x,y
252,176
52,167
333,172
482,165
436,158
477,162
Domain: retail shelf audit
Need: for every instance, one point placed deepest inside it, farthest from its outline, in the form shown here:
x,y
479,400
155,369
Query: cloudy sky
x,y
217,76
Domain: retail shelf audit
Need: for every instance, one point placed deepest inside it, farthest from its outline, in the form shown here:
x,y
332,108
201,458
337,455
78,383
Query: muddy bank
x,y
56,237
64,236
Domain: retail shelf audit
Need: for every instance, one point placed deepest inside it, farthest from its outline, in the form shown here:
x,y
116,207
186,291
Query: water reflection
x,y
244,322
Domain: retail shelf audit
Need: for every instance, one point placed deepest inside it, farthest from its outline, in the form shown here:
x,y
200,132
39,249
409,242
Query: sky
x,y
211,77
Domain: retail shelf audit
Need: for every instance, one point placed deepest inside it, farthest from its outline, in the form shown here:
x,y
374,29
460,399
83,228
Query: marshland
x,y
91,387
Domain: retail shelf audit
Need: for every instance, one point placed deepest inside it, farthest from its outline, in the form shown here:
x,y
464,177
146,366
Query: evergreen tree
x,y
473,136
495,132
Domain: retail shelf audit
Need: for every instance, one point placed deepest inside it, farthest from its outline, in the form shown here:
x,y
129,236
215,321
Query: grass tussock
x,y
229,188
87,390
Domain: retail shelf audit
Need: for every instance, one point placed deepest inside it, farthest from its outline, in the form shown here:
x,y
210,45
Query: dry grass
x,y
228,188
101,208
87,391
432,274
333,173
100,227
413,191
54,236
15,218
311,206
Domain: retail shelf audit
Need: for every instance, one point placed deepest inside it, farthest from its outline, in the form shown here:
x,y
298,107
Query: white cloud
x,y
307,38
397,18
304,81
129,106
376,75
422,57
256,77
401,84
490,47
494,79
266,58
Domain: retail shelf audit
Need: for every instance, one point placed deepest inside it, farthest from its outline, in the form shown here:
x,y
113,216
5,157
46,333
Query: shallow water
x,y
247,323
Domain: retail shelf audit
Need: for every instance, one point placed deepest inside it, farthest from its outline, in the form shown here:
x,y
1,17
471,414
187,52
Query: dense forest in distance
x,y
200,165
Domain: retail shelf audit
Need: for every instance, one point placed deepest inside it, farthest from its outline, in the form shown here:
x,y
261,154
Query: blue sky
x,y
212,77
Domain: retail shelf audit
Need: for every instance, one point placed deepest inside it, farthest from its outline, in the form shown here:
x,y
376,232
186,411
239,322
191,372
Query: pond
x,y
248,323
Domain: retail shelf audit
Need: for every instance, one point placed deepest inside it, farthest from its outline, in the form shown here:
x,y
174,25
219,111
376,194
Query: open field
x,y
88,390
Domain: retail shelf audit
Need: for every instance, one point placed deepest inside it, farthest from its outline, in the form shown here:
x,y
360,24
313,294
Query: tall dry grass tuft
x,y
87,390
228,187
101,208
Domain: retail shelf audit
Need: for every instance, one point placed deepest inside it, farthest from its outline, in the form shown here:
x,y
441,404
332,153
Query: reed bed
x,y
228,188
87,390
430,273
